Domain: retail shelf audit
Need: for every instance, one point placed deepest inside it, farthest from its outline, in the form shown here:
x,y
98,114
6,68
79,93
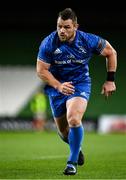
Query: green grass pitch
x,y
42,155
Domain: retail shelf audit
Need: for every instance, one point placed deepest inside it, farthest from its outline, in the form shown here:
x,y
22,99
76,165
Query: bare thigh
x,y
76,108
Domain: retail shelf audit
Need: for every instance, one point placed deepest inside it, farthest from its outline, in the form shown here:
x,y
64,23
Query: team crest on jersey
x,y
57,51
82,49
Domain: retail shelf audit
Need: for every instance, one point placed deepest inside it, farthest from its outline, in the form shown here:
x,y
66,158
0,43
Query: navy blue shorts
x,y
58,103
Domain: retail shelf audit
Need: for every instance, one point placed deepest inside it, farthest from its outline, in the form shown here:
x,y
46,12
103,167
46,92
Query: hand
x,y
108,88
66,88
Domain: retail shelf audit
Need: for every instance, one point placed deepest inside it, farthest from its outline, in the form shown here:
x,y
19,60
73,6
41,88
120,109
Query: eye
x,y
66,27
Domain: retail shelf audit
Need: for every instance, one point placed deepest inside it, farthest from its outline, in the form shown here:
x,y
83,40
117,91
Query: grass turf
x,y
42,155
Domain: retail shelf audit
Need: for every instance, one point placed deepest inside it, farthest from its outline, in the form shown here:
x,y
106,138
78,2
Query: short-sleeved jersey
x,y
69,60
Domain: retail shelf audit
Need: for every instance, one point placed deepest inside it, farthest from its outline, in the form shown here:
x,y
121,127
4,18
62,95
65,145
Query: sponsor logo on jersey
x,y
78,61
82,49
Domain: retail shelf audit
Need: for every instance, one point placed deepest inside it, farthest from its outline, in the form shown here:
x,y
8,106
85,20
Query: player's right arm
x,y
44,74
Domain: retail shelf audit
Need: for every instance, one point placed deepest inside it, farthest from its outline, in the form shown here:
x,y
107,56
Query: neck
x,y
72,37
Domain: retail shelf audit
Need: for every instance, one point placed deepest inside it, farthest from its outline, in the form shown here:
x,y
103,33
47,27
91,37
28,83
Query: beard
x,y
64,38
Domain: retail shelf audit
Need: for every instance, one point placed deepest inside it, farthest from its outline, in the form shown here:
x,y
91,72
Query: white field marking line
x,y
51,157
38,157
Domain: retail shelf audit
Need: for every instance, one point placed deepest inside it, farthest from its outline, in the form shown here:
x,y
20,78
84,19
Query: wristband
x,y
110,76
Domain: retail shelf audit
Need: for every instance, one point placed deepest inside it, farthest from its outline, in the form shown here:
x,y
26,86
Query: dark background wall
x,y
24,24
91,14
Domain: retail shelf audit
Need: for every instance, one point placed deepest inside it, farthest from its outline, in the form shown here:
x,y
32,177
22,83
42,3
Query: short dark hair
x,y
68,13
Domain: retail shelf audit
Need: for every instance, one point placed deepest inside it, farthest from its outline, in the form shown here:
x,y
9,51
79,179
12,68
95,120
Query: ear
x,y
76,26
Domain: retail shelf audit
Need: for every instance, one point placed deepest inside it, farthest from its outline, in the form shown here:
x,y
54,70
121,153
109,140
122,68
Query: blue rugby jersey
x,y
69,60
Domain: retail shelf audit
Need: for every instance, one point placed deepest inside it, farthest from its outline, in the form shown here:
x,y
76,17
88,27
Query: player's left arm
x,y
111,65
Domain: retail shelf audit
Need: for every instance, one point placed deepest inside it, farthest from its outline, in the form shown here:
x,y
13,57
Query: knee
x,y
73,120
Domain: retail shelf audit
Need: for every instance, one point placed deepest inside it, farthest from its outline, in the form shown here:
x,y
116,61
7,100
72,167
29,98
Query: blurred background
x,y
23,25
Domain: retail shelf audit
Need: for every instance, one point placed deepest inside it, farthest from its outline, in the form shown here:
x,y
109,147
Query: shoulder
x,y
87,36
47,47
49,40
92,41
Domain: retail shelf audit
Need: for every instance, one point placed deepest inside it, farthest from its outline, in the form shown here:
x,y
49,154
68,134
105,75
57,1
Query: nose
x,y
62,30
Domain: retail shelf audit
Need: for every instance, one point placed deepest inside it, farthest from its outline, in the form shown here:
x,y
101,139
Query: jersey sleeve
x,y
96,43
44,53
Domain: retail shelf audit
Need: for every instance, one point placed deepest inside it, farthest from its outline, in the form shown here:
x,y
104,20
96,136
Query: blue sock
x,y
75,138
